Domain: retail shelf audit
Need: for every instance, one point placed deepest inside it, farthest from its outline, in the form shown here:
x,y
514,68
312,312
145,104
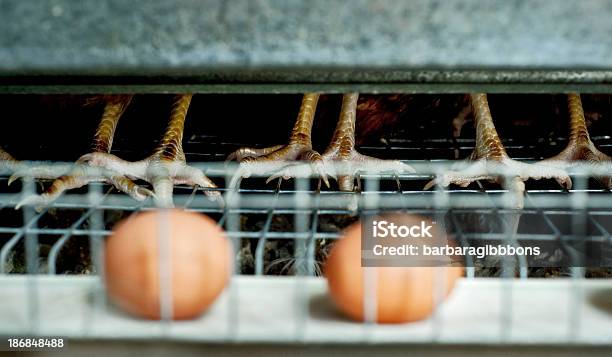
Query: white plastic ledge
x,y
287,310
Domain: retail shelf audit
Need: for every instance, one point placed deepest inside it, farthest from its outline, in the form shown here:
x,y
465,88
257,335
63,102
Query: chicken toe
x,y
580,148
489,160
273,161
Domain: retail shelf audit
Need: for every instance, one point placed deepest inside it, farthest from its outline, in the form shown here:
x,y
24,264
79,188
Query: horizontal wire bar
x,y
549,203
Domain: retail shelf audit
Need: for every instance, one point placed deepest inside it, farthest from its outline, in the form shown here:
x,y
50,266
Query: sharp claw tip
x,y
429,185
28,201
326,181
272,178
12,179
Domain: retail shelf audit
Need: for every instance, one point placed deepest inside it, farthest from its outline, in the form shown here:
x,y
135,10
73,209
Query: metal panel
x,y
306,42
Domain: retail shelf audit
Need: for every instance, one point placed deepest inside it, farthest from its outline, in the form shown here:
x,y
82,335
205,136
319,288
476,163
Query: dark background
x,y
60,127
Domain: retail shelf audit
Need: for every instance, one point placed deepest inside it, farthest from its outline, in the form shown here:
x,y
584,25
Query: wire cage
x,y
286,228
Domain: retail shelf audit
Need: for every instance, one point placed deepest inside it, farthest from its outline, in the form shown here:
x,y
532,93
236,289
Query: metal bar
x,y
219,40
261,243
57,246
97,252
4,252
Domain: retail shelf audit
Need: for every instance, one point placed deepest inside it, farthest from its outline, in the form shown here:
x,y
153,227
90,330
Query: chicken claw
x,y
165,168
489,160
580,148
340,160
84,171
79,176
272,160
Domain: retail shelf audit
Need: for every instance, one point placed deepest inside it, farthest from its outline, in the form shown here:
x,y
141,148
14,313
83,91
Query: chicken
x,y
281,159
489,160
379,114
580,148
163,169
461,119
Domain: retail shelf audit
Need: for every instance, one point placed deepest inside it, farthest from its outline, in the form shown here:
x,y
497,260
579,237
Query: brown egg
x,y
200,262
403,294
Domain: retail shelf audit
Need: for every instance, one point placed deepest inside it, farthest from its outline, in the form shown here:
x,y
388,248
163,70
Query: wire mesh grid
x,y
309,219
586,209
554,209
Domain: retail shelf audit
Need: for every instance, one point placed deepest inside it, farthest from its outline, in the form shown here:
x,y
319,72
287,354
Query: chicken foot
x,y
166,167
489,160
341,160
580,148
272,159
86,171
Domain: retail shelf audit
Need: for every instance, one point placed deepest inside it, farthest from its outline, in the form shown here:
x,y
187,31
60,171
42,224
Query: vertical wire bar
x,y
311,254
8,246
470,270
441,204
96,244
438,296
506,299
302,203
547,220
314,221
164,256
261,242
312,262
370,274
508,219
31,254
523,264
556,231
94,201
579,230
232,224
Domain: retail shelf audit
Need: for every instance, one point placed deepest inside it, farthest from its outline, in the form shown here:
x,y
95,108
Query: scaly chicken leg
x,y
82,174
580,148
341,159
272,159
164,168
341,149
489,160
7,162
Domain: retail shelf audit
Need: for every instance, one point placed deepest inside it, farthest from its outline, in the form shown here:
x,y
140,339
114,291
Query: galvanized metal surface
x,y
279,42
